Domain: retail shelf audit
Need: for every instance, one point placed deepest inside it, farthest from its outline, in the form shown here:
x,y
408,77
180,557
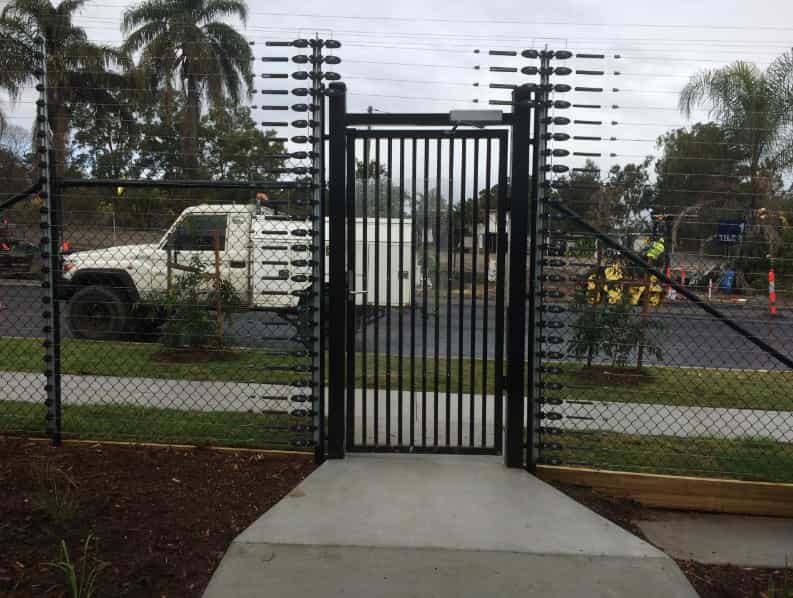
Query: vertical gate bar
x,y
519,216
400,289
378,269
424,275
412,281
437,303
337,92
474,280
535,262
351,296
389,198
365,302
461,304
318,254
501,255
449,236
486,301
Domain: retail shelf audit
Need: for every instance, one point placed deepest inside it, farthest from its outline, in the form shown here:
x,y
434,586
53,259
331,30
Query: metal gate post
x,y
516,311
337,192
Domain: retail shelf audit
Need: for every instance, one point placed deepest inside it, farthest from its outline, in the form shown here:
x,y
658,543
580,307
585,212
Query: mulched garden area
x,y
710,581
158,519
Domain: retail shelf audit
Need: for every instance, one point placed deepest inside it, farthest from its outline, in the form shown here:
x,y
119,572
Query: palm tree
x,y
78,71
183,42
754,107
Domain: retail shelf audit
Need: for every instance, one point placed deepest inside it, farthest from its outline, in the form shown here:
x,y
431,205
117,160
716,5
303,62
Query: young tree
x,y
185,42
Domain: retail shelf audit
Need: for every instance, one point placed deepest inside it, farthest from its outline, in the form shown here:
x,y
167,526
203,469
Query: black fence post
x,y
539,239
49,247
516,310
318,254
337,191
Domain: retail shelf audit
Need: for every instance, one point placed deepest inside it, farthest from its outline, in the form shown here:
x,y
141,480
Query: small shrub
x,y
626,331
80,577
184,309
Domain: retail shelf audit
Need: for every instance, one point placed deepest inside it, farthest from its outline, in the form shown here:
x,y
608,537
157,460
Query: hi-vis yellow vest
x,y
656,249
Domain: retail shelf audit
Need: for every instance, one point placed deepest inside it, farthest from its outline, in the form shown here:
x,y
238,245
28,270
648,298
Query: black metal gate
x,y
420,355
426,243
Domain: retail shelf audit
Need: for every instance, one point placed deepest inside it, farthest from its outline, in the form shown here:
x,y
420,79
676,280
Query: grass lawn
x,y
659,385
755,459
742,459
149,424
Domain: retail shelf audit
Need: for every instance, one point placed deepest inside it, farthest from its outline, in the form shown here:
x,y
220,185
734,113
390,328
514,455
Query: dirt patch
x,y
162,517
194,356
710,581
610,376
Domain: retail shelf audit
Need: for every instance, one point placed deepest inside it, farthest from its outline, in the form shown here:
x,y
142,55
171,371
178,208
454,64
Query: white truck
x,y
265,255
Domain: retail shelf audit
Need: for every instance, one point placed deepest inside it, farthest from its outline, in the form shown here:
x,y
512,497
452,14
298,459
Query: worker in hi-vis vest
x,y
656,248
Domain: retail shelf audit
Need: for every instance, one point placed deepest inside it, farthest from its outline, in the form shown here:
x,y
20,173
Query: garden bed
x,y
160,519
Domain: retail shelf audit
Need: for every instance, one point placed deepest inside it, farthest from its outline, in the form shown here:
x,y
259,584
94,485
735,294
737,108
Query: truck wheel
x,y
97,313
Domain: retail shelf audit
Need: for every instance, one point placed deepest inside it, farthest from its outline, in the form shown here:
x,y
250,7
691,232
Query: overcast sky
x,y
418,56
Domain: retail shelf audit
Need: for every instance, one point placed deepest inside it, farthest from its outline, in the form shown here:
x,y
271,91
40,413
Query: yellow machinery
x,y
614,282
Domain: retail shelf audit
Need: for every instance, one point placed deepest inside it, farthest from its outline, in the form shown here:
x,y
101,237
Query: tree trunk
x,y
59,127
192,114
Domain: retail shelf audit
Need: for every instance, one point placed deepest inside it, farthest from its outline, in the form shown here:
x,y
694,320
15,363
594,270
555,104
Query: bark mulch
x,y
159,519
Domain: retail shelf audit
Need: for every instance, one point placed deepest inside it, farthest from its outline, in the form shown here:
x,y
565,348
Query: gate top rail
x,y
425,119
428,134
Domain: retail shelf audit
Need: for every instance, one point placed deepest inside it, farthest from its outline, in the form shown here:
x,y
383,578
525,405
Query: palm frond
x,y
144,35
147,12
221,9
237,57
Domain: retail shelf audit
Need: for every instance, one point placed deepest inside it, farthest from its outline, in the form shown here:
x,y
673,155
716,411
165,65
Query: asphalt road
x,y
689,336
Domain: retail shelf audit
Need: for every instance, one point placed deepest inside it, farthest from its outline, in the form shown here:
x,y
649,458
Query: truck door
x,y
194,239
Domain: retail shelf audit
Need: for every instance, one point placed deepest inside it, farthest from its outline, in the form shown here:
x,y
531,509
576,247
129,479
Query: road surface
x,y
689,336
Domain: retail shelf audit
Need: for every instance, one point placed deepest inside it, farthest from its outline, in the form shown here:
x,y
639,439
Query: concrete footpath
x,y
207,396
440,526
717,539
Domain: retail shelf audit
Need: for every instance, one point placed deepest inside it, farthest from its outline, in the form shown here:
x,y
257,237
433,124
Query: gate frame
x,y
339,276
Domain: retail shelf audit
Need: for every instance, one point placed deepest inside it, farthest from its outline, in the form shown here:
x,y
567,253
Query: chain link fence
x,y
665,287
140,306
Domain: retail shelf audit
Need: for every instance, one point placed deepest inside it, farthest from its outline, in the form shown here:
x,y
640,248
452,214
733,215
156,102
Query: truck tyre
x,y
98,313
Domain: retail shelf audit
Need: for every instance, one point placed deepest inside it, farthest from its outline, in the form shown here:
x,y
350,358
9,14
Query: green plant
x,y
626,331
82,584
184,309
589,331
786,590
57,496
